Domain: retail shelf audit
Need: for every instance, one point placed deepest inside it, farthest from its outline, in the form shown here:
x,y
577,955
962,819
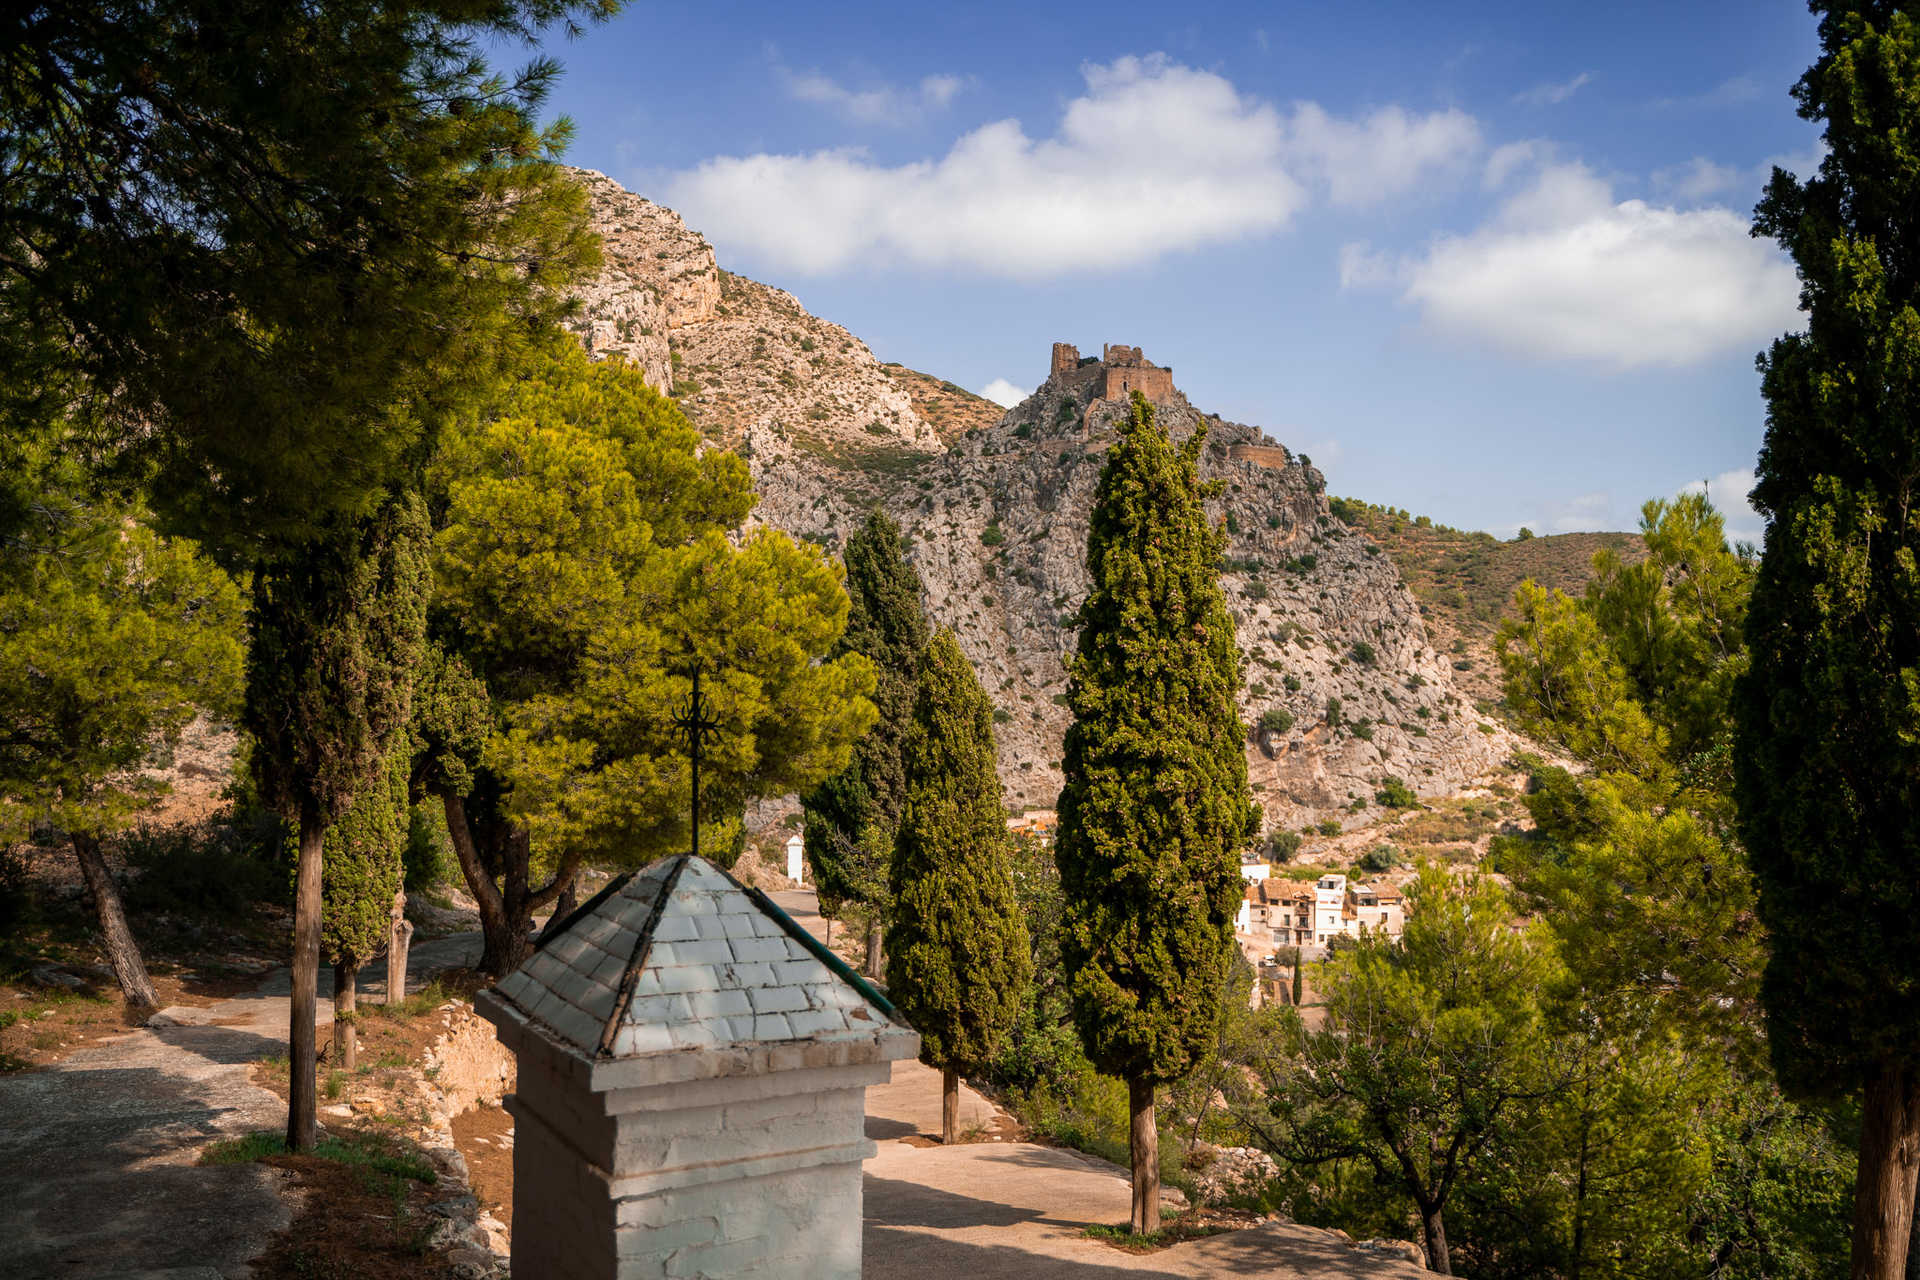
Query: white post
x,y
795,845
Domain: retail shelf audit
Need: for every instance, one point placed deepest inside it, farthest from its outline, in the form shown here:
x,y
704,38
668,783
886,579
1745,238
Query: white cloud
x,y
1733,92
1002,393
1565,272
1588,511
1696,180
1363,162
883,104
1728,492
1153,158
1549,95
1511,157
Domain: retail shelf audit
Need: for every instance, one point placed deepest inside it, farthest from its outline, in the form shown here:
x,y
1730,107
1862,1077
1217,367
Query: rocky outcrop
x,y
1335,646
1340,670
740,356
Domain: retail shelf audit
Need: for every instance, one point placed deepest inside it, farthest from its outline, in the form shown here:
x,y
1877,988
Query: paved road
x,y
97,1172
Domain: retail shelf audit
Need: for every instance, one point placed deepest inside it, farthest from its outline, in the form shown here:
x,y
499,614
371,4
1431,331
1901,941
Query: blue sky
x,y
1488,263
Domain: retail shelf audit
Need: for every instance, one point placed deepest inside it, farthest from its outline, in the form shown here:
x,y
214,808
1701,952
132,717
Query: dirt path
x,y
97,1152
1005,1210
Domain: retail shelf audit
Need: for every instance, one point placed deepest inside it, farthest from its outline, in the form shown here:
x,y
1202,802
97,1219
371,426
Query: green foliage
x,y
1276,720
1382,857
584,567
362,865
957,950
1395,794
322,228
1525,534
1828,755
1335,716
993,535
851,817
1430,1042
1328,827
1283,844
112,638
1156,807
337,634
1364,653
224,868
427,861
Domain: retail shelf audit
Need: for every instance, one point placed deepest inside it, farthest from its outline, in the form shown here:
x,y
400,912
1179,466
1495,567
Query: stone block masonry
x,y
691,1093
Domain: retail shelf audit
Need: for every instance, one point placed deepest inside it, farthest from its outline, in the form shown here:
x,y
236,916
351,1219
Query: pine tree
x,y
112,639
957,961
1155,806
1827,755
851,817
254,229
583,566
337,637
360,875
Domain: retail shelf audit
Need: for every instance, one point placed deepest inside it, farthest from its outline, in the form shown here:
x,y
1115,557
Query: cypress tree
x,y
1156,805
852,816
1827,751
957,962
360,875
337,634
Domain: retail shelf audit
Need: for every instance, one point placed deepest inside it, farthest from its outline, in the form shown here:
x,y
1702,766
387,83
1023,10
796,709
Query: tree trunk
x,y
949,1107
346,1037
399,939
1884,1189
876,944
1438,1259
563,906
1143,1143
499,954
122,951
1913,1245
301,1122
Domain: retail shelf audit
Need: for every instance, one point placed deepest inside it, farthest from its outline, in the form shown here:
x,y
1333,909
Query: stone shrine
x,y
692,1085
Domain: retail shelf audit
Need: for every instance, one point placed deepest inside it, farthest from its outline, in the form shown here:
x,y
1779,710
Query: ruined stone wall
x,y
1066,357
1120,382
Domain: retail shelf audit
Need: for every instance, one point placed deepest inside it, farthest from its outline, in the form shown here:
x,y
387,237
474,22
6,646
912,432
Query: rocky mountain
x,y
1344,686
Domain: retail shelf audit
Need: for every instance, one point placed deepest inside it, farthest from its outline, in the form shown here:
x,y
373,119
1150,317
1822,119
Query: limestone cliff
x,y
997,517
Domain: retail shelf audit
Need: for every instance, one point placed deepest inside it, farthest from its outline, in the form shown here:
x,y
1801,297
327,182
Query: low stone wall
x,y
469,1065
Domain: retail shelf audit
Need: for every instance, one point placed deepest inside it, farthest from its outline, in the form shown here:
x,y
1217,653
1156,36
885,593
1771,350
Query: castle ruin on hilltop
x,y
1115,375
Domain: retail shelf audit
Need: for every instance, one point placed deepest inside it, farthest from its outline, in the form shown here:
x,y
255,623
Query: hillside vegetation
x,y
1465,580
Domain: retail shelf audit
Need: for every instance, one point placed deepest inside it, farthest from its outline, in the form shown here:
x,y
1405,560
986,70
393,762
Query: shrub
x,y
1363,653
1362,729
1283,844
993,535
1276,720
428,858
1024,431
1395,794
1382,857
223,867
1335,717
1330,827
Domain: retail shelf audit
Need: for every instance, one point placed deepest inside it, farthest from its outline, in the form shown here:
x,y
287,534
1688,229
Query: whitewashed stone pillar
x,y
691,1087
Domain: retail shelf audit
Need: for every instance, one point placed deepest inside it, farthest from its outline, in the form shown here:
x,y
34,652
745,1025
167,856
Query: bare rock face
x,y
738,355
1343,685
1333,640
655,277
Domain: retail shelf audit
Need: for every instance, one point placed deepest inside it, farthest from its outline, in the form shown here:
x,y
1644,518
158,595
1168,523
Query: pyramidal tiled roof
x,y
680,956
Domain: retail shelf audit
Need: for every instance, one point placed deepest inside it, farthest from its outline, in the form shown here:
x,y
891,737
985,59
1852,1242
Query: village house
x,y
1286,913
